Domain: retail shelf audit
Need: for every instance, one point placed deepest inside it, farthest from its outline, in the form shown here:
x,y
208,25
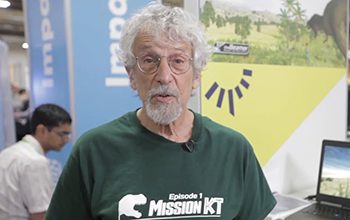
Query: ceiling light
x,y
25,45
4,4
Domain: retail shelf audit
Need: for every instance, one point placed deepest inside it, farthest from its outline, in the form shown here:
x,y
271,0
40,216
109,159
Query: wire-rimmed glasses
x,y
149,63
62,134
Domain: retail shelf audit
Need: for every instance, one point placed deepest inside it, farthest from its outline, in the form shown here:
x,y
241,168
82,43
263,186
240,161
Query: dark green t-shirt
x,y
121,170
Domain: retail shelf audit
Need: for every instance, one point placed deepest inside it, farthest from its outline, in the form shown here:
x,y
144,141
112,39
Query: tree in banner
x,y
299,17
245,28
219,21
258,25
237,27
284,27
208,14
205,20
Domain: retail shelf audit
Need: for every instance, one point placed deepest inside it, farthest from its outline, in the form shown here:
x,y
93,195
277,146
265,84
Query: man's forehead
x,y
148,41
64,126
150,46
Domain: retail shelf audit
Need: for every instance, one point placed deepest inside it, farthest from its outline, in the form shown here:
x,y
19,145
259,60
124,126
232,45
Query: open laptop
x,y
333,186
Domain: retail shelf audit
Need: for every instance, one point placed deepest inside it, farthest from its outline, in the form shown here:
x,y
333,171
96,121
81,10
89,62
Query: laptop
x,y
333,185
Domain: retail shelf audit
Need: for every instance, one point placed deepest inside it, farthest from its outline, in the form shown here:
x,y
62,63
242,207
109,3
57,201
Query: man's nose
x,y
164,73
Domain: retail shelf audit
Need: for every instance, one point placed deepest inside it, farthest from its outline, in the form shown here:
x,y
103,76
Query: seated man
x,y
25,180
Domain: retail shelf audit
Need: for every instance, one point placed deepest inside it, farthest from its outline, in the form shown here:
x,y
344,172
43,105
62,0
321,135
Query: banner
x,y
278,59
102,90
275,65
46,34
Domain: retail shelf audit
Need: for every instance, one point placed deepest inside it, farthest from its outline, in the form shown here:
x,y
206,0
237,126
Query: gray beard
x,y
163,113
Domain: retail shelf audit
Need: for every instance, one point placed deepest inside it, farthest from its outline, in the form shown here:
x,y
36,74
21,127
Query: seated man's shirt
x,y
25,180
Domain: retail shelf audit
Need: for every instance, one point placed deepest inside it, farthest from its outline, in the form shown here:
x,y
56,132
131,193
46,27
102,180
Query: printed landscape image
x,y
335,179
285,32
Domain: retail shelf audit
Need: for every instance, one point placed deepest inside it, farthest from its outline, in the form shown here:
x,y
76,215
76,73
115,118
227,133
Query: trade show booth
x,y
272,76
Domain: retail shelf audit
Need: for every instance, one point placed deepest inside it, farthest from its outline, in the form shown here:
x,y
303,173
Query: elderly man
x,y
162,161
26,182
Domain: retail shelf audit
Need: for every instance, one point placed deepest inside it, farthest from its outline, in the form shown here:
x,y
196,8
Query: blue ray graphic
x,y
244,83
238,91
247,72
211,90
230,99
221,97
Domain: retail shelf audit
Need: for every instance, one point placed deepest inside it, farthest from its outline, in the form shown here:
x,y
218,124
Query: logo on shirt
x,y
127,205
180,205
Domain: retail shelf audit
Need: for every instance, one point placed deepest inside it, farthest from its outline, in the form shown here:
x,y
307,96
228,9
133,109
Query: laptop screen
x,y
335,174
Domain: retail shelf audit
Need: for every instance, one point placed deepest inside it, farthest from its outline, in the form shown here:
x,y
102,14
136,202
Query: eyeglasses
x,y
149,63
62,134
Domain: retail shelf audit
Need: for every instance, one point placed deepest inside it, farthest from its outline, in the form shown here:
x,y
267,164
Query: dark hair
x,y
49,115
21,91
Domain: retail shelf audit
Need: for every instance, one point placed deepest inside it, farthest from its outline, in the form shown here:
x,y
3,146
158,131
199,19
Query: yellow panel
x,y
277,101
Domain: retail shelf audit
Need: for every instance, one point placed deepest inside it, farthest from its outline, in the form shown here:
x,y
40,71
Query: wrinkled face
x,y
164,94
57,137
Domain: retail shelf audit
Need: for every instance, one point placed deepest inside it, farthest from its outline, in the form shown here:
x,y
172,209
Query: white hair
x,y
157,19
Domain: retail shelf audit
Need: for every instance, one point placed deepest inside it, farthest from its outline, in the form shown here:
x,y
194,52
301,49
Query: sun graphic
x,y
237,89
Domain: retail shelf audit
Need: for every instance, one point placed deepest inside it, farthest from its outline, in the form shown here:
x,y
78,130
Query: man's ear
x,y
133,83
196,81
40,130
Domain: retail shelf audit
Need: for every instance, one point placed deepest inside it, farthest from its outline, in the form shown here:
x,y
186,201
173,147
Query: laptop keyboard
x,y
328,211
